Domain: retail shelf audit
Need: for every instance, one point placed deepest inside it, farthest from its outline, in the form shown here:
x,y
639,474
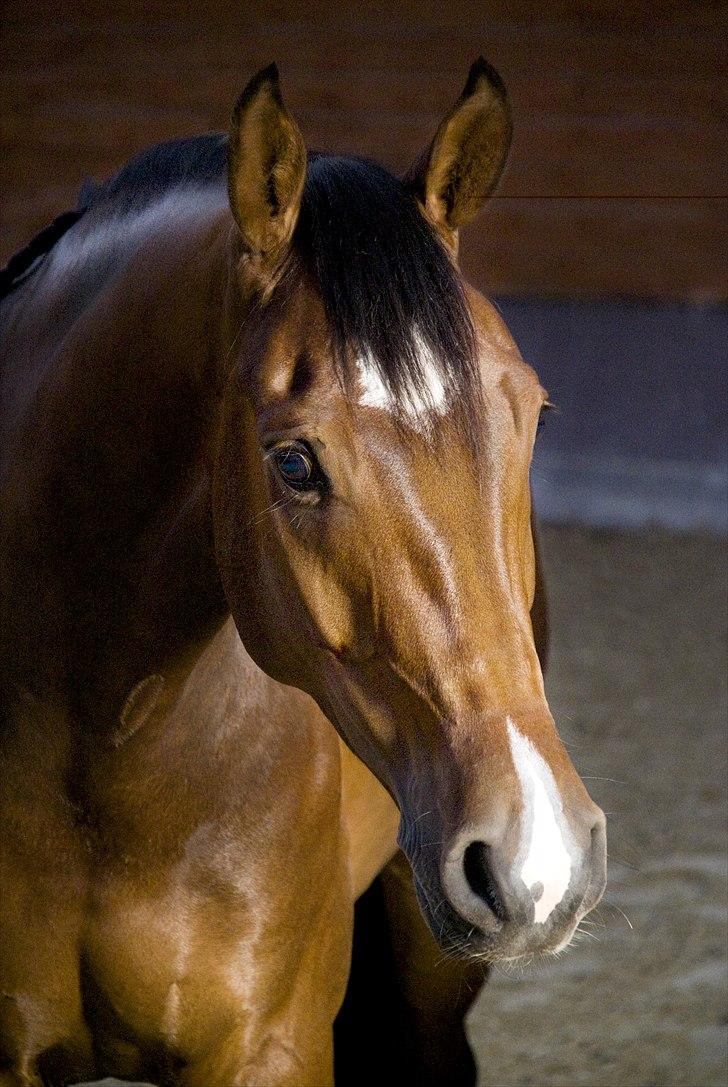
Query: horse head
x,y
373,512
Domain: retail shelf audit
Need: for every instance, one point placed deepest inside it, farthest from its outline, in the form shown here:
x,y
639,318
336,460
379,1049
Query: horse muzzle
x,y
515,881
531,900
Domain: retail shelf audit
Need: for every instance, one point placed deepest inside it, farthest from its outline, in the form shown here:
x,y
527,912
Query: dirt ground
x,y
637,687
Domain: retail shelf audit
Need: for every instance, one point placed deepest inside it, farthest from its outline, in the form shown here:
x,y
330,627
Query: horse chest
x,y
237,933
208,861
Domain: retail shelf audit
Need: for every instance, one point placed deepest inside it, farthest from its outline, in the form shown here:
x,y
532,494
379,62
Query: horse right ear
x,y
266,169
464,162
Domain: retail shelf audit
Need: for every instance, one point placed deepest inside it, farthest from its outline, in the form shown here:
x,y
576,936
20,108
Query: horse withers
x,y
271,609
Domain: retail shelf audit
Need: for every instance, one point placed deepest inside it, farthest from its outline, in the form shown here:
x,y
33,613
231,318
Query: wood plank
x,y
577,13
611,100
409,46
649,249
560,157
534,94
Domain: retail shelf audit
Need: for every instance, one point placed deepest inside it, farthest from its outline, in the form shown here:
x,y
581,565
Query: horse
x,y
280,779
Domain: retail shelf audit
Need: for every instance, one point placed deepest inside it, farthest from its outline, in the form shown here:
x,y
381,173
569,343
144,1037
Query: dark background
x,y
619,158
605,246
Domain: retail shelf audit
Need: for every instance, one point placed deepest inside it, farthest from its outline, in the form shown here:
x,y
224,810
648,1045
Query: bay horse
x,y
272,622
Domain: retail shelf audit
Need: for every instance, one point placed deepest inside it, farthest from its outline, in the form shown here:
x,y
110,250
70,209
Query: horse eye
x,y
297,468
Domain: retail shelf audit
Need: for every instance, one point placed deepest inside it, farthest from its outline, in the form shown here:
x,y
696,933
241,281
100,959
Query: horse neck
x,y
112,470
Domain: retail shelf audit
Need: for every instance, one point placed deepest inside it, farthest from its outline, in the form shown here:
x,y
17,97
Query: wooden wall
x,y
617,181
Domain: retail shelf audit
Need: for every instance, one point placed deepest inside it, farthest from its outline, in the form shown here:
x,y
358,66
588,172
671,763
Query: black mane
x,y
139,183
389,288
151,174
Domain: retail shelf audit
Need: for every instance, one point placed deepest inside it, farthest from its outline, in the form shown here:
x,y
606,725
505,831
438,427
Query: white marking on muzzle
x,y
543,857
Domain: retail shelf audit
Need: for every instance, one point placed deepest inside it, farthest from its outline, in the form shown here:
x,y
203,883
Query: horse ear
x,y
464,162
266,168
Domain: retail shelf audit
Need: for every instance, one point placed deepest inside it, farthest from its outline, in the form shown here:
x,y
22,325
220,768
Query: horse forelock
x,y
401,328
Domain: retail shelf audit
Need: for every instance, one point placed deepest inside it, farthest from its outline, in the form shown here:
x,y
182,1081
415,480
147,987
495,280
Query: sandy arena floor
x,y
637,687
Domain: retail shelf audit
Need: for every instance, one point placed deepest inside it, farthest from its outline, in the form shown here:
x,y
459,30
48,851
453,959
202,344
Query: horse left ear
x,y
266,168
464,162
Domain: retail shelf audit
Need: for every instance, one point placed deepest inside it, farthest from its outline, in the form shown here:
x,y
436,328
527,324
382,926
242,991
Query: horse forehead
x,y
299,328
432,501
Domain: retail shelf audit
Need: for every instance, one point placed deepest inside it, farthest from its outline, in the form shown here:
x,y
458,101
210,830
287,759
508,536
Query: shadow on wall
x,y
639,437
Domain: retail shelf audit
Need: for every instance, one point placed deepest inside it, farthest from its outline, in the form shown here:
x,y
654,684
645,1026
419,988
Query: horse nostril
x,y
476,863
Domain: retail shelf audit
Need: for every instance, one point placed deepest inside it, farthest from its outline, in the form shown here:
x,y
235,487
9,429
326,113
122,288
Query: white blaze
x,y
542,857
374,393
373,390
